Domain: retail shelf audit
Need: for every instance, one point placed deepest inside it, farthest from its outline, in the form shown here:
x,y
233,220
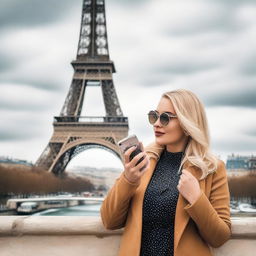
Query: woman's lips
x,y
159,134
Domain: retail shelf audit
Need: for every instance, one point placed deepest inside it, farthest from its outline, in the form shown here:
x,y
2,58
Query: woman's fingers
x,y
137,158
127,154
144,164
133,172
141,146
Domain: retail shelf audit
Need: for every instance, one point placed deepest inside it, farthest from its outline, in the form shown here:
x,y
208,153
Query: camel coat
x,y
204,223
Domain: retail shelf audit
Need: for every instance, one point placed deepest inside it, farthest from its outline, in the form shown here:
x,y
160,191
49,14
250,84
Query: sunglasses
x,y
164,117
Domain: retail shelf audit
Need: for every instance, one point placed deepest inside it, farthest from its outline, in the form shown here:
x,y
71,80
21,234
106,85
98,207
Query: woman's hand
x,y
189,186
132,172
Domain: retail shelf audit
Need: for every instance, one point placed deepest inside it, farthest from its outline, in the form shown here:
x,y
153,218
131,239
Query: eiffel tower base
x,y
69,140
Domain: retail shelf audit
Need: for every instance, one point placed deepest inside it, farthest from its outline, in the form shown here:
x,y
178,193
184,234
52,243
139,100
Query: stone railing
x,y
81,235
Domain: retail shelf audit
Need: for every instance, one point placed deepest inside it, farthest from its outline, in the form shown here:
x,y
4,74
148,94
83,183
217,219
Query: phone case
x,y
128,142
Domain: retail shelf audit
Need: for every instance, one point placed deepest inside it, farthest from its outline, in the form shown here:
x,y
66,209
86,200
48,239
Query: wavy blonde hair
x,y
191,115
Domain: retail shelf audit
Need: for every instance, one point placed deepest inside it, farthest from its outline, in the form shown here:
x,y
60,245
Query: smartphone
x,y
128,142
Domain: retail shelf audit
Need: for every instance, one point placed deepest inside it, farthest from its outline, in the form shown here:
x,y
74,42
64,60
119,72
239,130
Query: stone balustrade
x,y
86,236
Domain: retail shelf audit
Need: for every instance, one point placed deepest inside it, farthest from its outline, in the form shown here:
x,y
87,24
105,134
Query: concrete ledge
x,y
244,227
53,225
82,235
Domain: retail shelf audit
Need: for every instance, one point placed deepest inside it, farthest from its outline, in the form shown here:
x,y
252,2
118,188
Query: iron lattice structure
x,y
74,133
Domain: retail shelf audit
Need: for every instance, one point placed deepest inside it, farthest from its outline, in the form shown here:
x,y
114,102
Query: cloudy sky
x,y
208,47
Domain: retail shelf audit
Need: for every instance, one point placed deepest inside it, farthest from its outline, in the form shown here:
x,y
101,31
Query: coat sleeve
x,y
115,206
212,216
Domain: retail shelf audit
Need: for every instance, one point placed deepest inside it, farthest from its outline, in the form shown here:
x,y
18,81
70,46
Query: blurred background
x,y
204,46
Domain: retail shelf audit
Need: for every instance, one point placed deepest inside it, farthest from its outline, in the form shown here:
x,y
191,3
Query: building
x,y
240,165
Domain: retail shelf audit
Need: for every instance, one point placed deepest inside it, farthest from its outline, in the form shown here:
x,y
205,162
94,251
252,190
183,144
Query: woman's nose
x,y
157,123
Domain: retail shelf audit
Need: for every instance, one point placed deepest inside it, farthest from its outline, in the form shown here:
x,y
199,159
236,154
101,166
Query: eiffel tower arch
x,y
74,133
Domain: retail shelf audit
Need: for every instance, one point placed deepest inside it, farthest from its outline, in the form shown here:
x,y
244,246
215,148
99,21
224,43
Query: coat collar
x,y
181,216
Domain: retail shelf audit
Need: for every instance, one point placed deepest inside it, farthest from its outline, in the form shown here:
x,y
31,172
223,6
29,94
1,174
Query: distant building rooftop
x,y
241,162
9,160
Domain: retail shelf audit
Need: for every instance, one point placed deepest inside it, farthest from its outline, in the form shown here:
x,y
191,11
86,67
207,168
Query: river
x,y
79,210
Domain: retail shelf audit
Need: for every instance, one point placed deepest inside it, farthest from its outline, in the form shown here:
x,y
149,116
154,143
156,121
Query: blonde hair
x,y
191,115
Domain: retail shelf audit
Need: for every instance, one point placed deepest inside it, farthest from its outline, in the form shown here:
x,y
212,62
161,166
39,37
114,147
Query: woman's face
x,y
173,137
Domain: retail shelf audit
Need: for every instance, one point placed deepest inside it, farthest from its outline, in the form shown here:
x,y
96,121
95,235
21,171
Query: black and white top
x,y
159,206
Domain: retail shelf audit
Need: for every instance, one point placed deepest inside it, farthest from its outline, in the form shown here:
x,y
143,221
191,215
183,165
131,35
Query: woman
x,y
179,203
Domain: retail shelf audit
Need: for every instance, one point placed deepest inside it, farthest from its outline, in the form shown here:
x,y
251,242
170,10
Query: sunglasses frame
x,y
170,116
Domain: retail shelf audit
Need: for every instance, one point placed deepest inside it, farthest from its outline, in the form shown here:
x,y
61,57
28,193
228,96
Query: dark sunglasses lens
x,y
152,117
164,119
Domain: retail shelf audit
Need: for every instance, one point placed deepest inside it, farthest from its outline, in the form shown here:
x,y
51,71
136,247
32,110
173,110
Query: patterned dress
x,y
159,206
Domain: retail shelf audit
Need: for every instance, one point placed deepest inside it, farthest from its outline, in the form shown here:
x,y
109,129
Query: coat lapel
x,y
181,216
181,219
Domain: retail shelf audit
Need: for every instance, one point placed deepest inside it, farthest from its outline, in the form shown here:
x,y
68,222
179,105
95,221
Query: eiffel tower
x,y
74,133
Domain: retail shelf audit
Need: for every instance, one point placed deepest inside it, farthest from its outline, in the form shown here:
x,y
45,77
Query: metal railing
x,y
91,119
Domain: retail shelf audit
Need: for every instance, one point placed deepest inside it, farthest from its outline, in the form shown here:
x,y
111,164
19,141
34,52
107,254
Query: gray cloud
x,y
17,106
249,67
206,17
15,135
17,99
167,70
126,2
6,61
16,13
153,80
20,129
235,2
48,85
188,66
235,144
222,23
242,97
250,131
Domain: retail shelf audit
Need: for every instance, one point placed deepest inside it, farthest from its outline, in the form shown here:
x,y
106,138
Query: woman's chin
x,y
159,141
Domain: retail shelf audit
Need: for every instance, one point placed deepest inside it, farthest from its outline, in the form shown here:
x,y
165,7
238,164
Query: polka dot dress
x,y
159,206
